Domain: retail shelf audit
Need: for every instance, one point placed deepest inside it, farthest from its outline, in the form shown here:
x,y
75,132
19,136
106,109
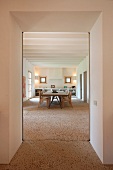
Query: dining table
x,y
57,94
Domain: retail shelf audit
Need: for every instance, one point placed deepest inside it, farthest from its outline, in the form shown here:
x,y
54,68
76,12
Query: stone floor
x,y
44,150
55,155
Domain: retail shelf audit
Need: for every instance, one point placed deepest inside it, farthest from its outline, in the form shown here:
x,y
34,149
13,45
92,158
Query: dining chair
x,y
43,98
67,99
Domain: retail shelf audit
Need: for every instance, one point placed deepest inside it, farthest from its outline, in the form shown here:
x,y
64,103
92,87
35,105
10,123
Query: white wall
x,y
55,79
4,87
82,67
15,88
108,84
27,66
96,88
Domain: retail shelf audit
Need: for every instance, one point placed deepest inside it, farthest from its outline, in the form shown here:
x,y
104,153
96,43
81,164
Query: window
x,y
42,79
29,84
67,80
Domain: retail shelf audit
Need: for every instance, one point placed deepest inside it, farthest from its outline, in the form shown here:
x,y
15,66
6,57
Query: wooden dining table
x,y
59,94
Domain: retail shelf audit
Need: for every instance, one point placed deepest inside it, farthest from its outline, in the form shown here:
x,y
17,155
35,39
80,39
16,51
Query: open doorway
x,y
85,86
53,29
80,86
30,29
47,55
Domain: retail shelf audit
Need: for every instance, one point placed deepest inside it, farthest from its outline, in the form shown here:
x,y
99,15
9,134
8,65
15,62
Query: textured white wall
x,y
52,73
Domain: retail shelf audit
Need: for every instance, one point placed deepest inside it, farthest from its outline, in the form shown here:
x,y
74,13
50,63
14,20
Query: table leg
x,y
59,101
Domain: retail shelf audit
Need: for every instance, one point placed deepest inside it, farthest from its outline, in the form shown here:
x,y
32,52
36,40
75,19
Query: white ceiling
x,y
55,49
55,38
56,21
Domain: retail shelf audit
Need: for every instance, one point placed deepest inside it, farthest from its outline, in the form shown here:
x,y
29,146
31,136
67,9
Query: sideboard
x,y
73,90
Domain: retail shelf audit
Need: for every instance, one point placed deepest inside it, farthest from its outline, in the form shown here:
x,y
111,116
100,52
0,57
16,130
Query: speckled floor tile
x,y
55,155
56,123
56,139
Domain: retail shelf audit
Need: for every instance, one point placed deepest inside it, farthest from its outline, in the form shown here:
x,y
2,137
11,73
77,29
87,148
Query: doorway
x,y
28,29
80,86
85,86
42,55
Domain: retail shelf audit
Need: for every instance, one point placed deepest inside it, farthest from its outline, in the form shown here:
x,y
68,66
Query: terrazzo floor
x,y
55,152
55,155
56,123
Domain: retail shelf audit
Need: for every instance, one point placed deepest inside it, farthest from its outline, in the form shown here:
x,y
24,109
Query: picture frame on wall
x,y
43,80
67,79
52,86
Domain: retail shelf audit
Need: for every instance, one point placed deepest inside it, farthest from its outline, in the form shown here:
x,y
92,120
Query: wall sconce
x,y
74,77
36,77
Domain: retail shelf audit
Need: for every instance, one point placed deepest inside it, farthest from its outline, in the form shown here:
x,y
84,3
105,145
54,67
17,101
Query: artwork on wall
x,y
24,86
52,86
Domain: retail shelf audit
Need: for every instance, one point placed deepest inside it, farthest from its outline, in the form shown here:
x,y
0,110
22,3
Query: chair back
x,y
40,94
67,91
69,95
